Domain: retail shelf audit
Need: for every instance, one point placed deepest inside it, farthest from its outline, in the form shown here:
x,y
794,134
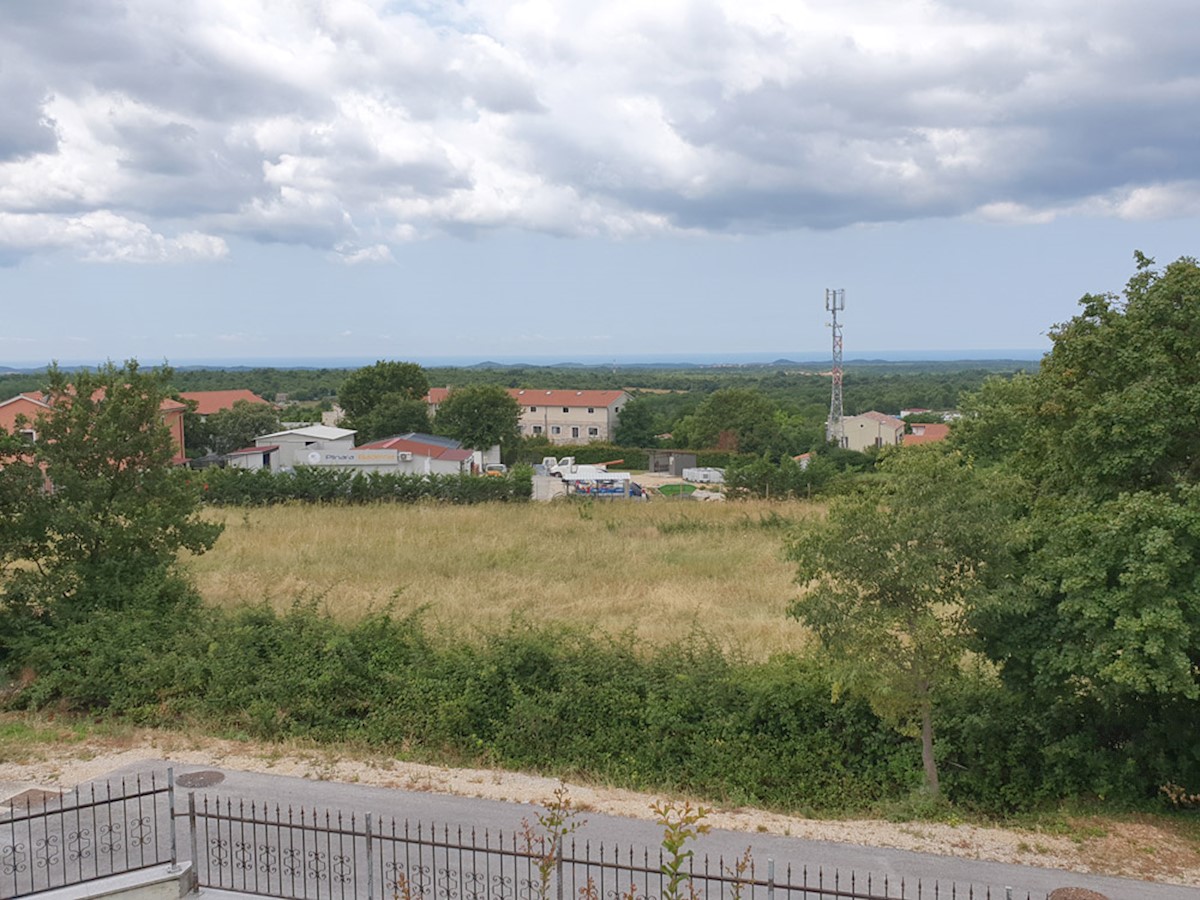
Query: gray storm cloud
x,y
153,130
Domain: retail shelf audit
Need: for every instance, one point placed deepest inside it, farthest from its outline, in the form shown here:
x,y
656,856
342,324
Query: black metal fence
x,y
311,855
54,840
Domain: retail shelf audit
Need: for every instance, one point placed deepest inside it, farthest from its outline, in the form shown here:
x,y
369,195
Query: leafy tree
x,y
393,414
1104,625
637,425
116,513
480,416
239,425
366,388
762,477
385,398
888,579
23,519
800,434
197,440
732,419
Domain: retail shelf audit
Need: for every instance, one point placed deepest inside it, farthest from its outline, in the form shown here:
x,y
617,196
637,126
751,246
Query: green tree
x,y
116,512
1103,627
385,398
23,509
393,414
362,390
238,426
636,426
480,416
889,577
736,419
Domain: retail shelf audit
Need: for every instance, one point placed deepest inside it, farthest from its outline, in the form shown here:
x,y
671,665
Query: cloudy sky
x,y
351,179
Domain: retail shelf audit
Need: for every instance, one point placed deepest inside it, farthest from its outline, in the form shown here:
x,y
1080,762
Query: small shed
x,y
671,462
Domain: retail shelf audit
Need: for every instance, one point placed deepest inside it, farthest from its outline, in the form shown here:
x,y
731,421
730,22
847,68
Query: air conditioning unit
x,y
405,456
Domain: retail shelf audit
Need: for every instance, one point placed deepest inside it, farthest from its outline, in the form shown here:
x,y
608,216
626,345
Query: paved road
x,y
443,810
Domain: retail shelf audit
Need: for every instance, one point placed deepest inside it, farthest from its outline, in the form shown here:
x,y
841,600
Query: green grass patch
x,y
677,490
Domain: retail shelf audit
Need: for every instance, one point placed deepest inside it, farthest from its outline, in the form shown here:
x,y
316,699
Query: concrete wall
x,y
156,883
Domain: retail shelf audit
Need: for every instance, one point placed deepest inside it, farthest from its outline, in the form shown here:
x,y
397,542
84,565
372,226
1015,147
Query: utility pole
x,y
835,432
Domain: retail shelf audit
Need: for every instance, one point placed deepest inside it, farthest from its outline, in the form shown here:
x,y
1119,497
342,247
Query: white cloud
x,y
1161,201
353,256
105,237
355,125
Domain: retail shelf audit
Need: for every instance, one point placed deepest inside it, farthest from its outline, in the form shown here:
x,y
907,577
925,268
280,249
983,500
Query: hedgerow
x,y
685,717
262,487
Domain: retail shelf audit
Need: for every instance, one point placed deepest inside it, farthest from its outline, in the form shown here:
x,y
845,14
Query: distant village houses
x,y
328,446
31,405
562,416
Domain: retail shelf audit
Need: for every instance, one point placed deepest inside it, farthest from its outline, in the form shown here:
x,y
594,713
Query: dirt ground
x,y
1130,848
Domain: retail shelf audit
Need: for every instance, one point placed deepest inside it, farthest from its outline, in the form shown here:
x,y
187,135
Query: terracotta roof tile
x,y
541,397
932,431
209,402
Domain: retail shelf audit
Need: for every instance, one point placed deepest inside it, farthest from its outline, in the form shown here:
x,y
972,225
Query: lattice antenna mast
x,y
835,432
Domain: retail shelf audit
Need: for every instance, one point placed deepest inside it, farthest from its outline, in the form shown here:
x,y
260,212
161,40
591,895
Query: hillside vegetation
x,y
1003,622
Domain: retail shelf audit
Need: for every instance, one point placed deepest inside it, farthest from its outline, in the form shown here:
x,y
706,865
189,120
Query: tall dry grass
x,y
660,569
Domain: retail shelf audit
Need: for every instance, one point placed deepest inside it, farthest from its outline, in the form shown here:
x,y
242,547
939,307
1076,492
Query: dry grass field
x,y
660,569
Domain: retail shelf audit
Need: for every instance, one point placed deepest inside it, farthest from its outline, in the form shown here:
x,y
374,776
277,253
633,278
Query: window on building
x,y
537,429
575,431
566,409
533,409
591,409
593,432
554,429
29,434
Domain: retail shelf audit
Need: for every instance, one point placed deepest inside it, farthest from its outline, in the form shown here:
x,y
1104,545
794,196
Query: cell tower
x,y
835,432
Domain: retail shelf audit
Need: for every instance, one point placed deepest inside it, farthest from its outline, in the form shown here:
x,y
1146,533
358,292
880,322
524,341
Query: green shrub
x,y
315,484
681,718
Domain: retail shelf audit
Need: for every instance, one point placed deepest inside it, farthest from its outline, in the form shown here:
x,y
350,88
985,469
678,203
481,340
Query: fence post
x,y
370,859
558,867
770,879
192,833
174,867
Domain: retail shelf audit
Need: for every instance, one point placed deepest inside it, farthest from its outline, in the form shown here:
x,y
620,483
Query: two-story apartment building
x,y
871,429
563,416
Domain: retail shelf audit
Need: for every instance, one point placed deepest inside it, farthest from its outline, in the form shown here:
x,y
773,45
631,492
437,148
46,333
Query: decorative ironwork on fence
x,y
49,841
311,855
52,841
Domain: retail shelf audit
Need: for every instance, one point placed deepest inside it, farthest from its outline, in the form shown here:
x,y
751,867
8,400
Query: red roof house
x,y
927,433
28,405
209,402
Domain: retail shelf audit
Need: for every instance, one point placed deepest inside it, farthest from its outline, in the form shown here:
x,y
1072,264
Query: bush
x,y
140,660
763,478
559,700
315,484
